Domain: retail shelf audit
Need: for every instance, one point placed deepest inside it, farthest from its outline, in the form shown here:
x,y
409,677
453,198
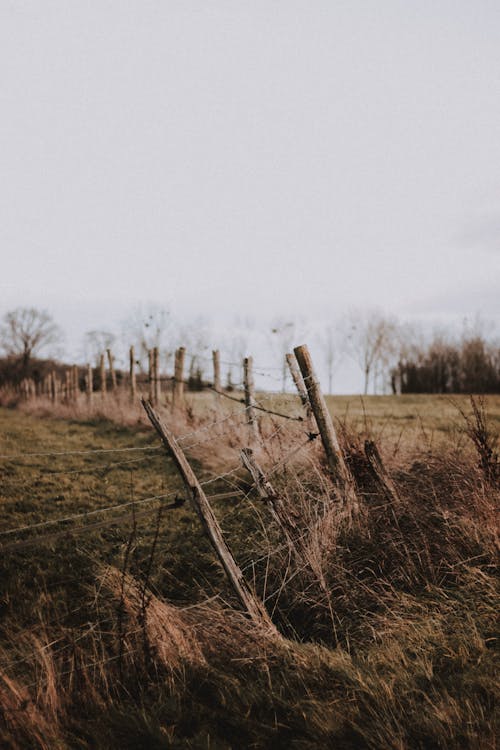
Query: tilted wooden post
x,y
133,381
111,369
90,384
297,379
253,606
178,392
337,465
102,370
249,387
267,493
156,376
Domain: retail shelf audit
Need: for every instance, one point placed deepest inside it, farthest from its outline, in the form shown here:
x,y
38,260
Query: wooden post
x,y
102,369
75,382
133,381
297,379
250,394
216,361
156,376
178,392
54,386
338,467
377,466
90,384
111,370
151,393
267,493
253,606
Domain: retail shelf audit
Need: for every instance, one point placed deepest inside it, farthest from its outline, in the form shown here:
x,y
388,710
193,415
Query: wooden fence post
x,y
151,392
90,384
253,606
111,370
216,362
178,392
76,382
102,370
156,376
297,379
337,465
133,381
249,387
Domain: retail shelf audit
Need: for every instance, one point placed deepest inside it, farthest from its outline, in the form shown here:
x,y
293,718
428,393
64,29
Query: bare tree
x,y
371,339
27,331
96,343
149,326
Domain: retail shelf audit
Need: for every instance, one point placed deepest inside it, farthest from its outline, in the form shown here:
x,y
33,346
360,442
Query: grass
x,y
127,635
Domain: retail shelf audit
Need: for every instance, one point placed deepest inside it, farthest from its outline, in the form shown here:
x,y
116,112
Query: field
x,y
119,628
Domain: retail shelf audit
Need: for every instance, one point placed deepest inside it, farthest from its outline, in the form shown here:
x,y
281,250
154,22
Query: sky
x,y
259,158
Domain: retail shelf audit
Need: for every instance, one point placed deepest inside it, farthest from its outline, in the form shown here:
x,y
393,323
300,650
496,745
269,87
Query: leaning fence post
x,y
178,392
249,387
299,382
337,465
246,596
133,381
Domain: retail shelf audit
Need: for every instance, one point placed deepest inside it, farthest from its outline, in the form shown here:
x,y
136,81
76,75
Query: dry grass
x,y
388,620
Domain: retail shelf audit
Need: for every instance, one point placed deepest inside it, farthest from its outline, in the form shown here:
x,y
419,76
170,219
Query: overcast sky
x,y
250,157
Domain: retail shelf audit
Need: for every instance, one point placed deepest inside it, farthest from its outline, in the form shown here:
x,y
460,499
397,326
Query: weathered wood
x,y
298,381
216,363
253,606
335,459
178,389
75,382
267,493
102,371
156,376
249,387
151,389
377,466
90,383
133,380
112,372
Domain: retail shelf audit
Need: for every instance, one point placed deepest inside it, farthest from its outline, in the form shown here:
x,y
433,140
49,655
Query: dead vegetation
x,y
387,619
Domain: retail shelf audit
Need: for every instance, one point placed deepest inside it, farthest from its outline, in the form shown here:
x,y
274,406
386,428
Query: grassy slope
x,y
413,666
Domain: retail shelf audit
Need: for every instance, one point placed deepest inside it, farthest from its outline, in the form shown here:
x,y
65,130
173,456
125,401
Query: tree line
x,y
393,357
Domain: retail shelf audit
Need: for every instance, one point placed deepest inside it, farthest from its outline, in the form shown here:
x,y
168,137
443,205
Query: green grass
x,y
389,624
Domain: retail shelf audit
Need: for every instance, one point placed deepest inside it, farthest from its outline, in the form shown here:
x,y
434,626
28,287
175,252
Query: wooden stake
x,y
151,390
76,382
253,606
267,493
178,392
380,472
111,369
250,403
156,376
133,381
216,361
90,383
102,369
297,379
338,467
